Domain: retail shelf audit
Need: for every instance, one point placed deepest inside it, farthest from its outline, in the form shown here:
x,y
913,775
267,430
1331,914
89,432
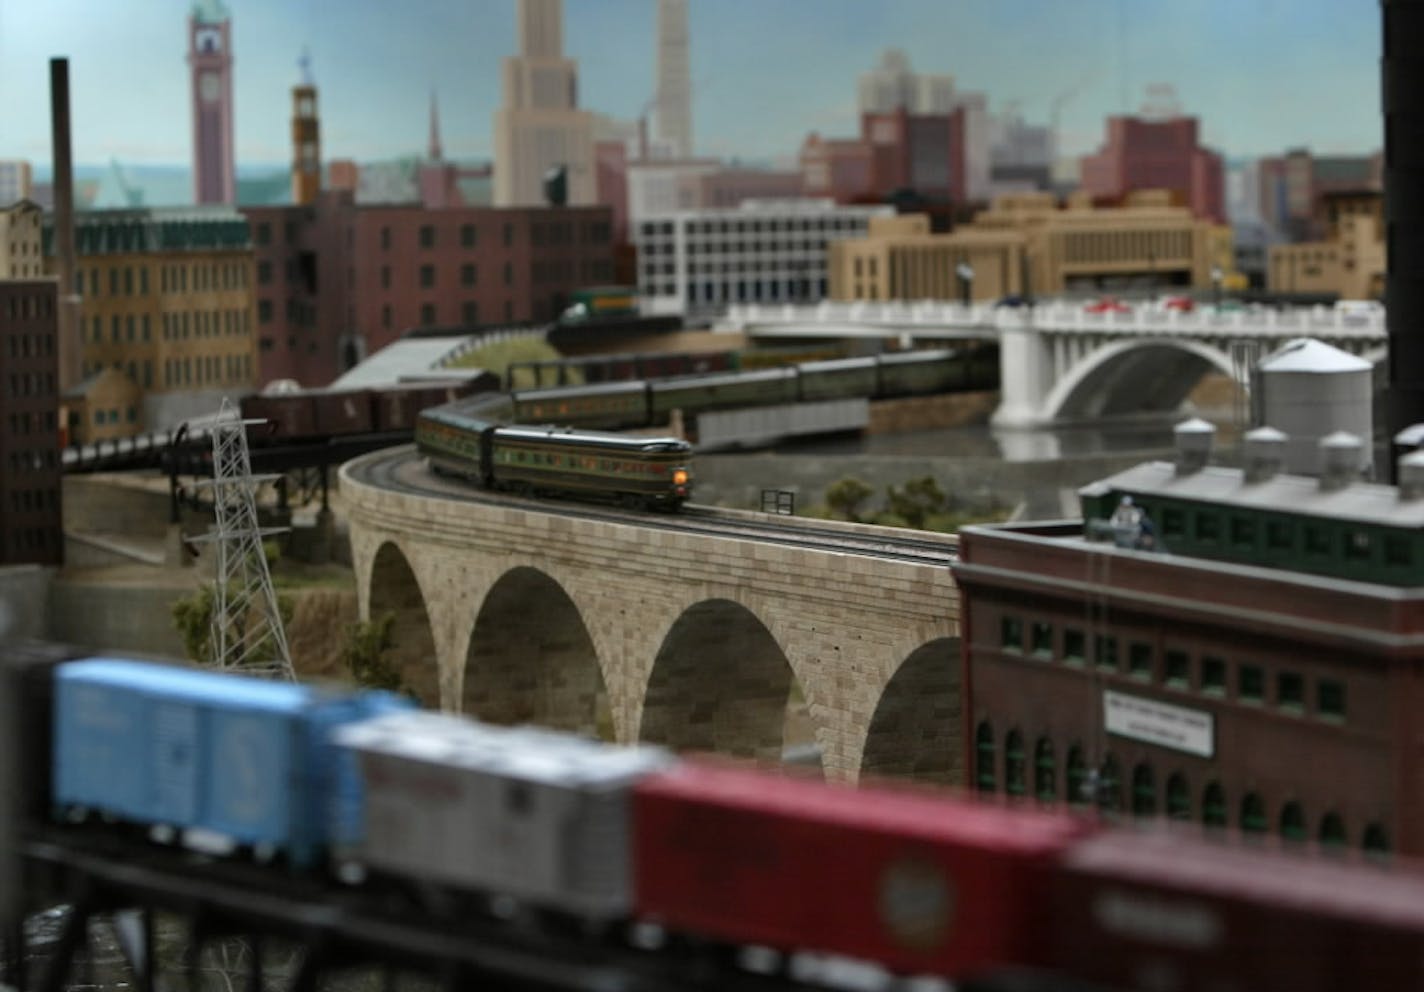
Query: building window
x,y
1015,767
1250,683
1045,785
984,758
1376,840
1358,546
1177,669
1214,805
1173,523
1317,541
1074,646
467,275
1293,823
1253,814
427,276
385,239
1279,535
264,311
386,317
427,314
1179,797
1041,636
508,235
427,236
1208,526
1330,699
1077,772
467,235
1213,676
1332,832
1243,533
1105,652
470,312
264,233
264,273
1139,660
1397,551
1290,691
1144,791
1011,633
1109,786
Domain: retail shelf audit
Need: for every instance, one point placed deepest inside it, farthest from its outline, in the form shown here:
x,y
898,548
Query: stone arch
x,y
395,591
531,659
721,682
916,731
1137,376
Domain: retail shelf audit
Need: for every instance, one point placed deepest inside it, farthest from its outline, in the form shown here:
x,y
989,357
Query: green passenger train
x,y
469,439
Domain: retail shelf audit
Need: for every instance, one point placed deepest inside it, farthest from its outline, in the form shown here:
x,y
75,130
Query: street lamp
x,y
1216,277
965,271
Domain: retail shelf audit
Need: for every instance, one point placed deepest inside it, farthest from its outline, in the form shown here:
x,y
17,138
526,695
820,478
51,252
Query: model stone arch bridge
x,y
651,634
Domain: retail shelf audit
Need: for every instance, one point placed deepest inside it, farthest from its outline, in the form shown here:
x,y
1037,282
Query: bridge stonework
x,y
658,635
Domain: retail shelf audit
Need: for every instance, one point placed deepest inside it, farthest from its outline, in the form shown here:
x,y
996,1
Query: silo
x,y
1310,389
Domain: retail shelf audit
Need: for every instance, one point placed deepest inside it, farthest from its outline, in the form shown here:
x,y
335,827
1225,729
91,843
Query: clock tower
x,y
210,58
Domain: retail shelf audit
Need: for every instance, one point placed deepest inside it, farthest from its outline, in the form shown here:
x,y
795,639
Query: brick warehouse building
x,y
336,281
1264,675
29,424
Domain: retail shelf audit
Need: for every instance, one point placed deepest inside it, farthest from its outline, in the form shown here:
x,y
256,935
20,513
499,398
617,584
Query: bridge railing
x,y
1070,317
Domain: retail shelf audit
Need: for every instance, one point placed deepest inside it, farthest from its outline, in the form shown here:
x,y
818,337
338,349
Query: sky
x,y
1262,75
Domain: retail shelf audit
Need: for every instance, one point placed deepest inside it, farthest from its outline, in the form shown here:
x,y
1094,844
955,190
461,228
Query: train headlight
x,y
679,477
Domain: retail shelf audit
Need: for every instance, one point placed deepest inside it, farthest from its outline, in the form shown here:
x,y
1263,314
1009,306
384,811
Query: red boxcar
x,y
396,406
1160,910
922,883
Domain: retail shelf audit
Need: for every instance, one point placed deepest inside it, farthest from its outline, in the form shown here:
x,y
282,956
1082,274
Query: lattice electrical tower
x,y
247,630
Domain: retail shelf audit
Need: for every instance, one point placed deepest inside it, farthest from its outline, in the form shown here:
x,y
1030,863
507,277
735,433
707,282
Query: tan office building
x,y
166,299
1349,263
21,240
1149,244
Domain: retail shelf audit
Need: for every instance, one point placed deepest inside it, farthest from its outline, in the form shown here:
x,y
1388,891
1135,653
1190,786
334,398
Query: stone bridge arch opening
x,y
396,592
916,731
531,659
720,682
1138,377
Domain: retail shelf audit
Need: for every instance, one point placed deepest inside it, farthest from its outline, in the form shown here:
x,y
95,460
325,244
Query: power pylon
x,y
247,631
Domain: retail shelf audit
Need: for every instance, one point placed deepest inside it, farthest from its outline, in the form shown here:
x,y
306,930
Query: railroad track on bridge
x,y
403,470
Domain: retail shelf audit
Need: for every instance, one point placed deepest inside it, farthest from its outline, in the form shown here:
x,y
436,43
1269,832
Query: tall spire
x,y
434,152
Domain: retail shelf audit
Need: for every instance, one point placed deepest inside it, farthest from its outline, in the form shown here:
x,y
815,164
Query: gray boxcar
x,y
539,816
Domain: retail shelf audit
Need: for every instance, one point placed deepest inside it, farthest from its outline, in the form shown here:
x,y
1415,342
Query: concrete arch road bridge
x,y
706,630
1060,363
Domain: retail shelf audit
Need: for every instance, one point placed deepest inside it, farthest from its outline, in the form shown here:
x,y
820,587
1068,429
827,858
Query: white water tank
x,y
1310,389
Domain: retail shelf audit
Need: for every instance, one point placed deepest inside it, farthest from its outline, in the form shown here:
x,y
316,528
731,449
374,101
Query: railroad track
x,y
403,470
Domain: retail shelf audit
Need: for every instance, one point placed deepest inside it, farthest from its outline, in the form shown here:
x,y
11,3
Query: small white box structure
x,y
533,814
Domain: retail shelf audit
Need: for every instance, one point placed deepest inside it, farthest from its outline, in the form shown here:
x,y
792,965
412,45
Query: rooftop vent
x,y
1265,453
1411,475
1194,439
1339,460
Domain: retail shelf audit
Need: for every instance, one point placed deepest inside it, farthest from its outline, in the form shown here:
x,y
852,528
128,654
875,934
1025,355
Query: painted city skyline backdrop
x,y
1262,75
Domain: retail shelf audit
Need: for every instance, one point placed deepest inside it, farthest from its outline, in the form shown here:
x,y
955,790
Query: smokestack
x,y
1402,79
71,360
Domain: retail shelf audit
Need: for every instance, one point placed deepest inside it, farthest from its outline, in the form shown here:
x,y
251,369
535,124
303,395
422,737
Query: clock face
x,y
209,87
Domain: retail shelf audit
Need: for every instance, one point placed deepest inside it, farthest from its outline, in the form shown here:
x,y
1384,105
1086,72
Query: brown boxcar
x,y
921,883
1162,910
346,412
290,415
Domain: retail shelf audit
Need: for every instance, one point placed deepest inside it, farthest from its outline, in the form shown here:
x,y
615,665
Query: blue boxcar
x,y
248,759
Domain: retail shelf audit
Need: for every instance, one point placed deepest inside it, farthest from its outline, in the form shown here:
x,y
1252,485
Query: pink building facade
x,y
1157,154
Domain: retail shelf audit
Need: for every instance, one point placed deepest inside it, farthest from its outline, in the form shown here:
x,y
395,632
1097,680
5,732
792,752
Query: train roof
x,y
1253,873
589,389
906,357
719,378
189,684
599,439
838,364
914,814
1365,502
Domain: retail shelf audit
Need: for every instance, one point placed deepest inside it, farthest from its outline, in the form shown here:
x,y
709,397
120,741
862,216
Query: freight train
x,y
301,414
357,792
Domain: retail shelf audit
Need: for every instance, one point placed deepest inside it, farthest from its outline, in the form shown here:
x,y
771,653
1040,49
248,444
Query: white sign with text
x,y
1163,724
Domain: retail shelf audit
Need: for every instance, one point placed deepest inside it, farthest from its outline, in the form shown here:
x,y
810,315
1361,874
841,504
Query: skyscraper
x,y
540,126
210,57
673,124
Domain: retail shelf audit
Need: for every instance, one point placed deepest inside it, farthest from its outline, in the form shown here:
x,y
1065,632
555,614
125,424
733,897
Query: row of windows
x,y
111,416
742,292
31,539
204,324
469,314
34,500
1103,786
33,423
31,384
1155,247
29,306
30,460
30,345
1214,676
767,225
172,278
207,369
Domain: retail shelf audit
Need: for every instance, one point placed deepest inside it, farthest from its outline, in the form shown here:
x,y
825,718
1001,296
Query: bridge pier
x,y
1025,373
